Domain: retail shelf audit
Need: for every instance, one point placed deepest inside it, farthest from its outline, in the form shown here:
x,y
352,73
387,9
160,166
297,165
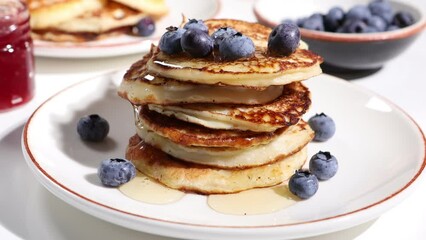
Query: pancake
x,y
189,134
48,13
284,111
285,144
154,8
192,177
139,87
112,19
259,71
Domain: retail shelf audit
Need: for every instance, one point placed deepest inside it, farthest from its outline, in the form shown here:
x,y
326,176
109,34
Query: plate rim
x,y
77,198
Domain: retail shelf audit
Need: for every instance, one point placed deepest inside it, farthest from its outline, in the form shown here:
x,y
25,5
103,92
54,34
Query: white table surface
x,y
28,211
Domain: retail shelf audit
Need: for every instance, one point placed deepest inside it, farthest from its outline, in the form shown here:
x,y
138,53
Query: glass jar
x,y
16,55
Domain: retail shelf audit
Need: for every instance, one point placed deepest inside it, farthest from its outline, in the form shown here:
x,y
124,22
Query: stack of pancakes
x,y
210,126
85,20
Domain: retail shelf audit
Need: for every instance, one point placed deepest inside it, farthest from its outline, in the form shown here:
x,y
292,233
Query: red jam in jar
x,y
16,55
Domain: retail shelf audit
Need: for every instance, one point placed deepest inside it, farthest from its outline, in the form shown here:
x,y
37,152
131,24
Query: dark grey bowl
x,y
343,50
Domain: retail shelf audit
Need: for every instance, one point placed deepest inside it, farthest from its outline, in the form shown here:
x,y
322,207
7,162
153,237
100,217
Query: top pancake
x,y
259,70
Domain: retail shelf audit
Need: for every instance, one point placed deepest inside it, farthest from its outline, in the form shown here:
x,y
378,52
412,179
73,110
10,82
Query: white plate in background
x,y
381,154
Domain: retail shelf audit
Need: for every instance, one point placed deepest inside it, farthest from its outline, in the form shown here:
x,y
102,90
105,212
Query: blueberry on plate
x,y
116,171
333,19
221,34
236,46
323,165
314,22
303,184
381,8
92,128
197,43
377,23
145,27
170,41
403,19
323,126
196,24
358,12
284,39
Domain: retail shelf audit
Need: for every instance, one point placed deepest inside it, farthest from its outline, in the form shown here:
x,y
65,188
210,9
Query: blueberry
x,y
355,26
403,19
381,8
323,126
170,41
314,22
145,27
323,165
377,23
359,12
93,128
283,40
116,171
334,19
236,46
392,28
196,24
197,43
303,184
221,34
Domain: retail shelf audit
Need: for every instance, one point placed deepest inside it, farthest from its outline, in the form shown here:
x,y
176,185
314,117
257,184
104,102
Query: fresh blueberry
x,y
378,23
334,19
170,41
370,30
403,19
236,46
392,28
314,22
197,43
116,171
323,165
359,12
381,8
355,26
145,27
221,34
323,126
303,184
196,24
284,39
92,128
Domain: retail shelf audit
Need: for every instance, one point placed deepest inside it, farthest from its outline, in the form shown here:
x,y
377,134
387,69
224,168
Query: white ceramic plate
x,y
123,45
381,152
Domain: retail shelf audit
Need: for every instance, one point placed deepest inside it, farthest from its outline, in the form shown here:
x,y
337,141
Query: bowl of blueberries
x,y
349,35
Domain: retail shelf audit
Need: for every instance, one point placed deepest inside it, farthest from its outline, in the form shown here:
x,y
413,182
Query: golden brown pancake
x,y
189,134
154,8
190,177
288,142
48,13
112,19
284,111
259,70
139,86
